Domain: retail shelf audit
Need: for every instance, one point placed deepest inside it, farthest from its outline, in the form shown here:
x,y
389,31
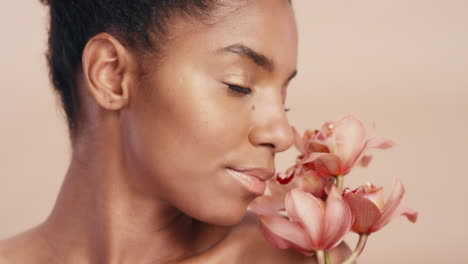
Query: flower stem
x,y
320,256
339,182
359,248
327,258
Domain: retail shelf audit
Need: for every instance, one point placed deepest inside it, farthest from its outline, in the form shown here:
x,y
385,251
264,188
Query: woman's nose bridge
x,y
271,126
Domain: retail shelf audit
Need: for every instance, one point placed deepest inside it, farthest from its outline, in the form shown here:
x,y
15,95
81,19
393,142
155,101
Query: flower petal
x,y
375,195
409,213
283,233
316,146
364,211
274,201
391,206
298,141
285,178
266,204
330,161
338,219
365,160
380,143
350,139
313,184
308,212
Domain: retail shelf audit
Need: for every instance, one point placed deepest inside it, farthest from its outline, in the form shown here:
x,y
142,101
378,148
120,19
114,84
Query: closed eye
x,y
238,89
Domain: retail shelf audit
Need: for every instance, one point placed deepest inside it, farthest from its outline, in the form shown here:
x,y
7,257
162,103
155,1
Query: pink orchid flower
x,y
312,224
370,211
337,147
274,201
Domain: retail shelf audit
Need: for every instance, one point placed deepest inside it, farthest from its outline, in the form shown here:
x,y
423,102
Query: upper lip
x,y
263,174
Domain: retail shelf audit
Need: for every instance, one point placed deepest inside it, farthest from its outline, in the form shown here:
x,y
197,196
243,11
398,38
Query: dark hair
x,y
74,22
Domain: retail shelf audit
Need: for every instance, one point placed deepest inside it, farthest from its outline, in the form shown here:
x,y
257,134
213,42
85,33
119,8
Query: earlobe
x,y
104,66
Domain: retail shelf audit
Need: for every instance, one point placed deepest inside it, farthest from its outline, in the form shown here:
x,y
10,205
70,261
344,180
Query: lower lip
x,y
253,184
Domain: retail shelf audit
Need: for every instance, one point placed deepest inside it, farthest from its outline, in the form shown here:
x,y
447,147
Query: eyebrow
x,y
256,57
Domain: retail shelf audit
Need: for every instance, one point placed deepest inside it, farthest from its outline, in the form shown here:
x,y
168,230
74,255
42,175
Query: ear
x,y
105,63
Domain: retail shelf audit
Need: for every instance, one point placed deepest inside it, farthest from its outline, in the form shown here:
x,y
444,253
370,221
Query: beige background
x,y
400,63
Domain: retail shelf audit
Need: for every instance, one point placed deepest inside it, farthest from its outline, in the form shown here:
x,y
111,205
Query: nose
x,y
271,129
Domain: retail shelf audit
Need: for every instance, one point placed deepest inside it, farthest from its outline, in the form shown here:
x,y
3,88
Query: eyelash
x,y
239,89
244,90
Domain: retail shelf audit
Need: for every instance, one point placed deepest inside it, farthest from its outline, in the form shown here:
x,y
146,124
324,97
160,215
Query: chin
x,y
230,220
225,215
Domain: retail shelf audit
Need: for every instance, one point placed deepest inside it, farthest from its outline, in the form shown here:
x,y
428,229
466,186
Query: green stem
x,y
320,256
359,248
339,182
327,258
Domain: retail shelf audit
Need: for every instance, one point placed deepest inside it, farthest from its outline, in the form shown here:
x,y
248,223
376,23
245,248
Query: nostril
x,y
270,145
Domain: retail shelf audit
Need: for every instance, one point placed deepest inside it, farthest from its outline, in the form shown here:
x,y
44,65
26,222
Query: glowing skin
x,y
187,123
151,178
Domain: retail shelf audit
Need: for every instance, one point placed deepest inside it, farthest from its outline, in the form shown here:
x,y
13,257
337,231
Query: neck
x,y
100,216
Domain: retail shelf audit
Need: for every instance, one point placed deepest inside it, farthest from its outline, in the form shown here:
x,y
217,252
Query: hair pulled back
x,y
74,22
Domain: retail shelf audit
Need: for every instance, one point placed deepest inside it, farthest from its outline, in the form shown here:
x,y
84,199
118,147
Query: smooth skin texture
x,y
148,180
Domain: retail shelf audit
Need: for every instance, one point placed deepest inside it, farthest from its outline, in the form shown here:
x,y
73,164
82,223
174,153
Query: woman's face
x,y
213,105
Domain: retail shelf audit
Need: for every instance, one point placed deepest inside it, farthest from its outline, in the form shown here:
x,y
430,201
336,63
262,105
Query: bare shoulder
x,y
3,256
4,260
9,248
24,248
14,249
255,249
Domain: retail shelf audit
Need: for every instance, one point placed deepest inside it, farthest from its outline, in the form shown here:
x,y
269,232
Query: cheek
x,y
198,117
182,161
178,140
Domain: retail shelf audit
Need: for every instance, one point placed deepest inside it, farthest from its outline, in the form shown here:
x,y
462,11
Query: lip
x,y
253,179
263,174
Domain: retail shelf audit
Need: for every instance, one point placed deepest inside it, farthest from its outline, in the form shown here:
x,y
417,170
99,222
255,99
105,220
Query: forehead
x,y
265,26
